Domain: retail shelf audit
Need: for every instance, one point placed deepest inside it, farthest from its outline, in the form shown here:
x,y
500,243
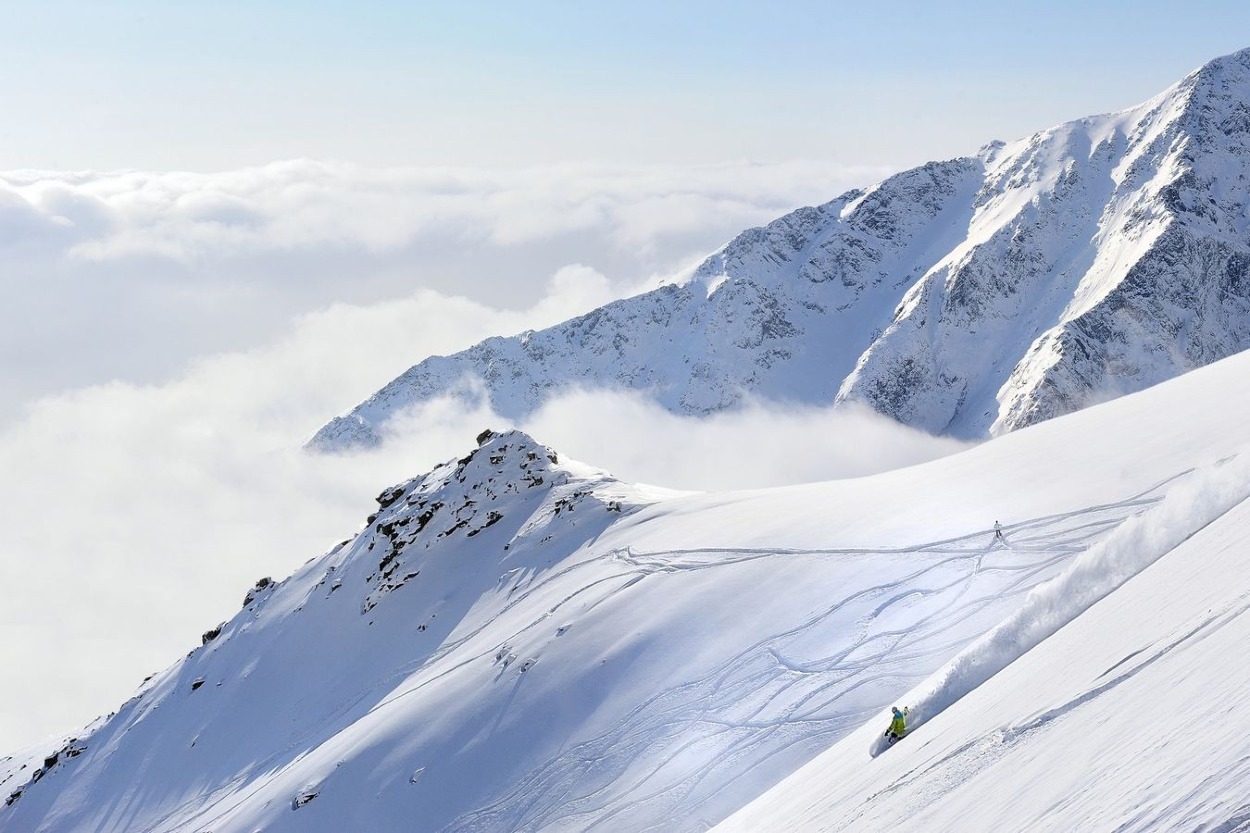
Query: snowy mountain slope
x,y
516,642
968,297
1127,718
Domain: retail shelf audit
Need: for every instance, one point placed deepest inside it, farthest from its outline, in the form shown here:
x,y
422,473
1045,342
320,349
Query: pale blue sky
x,y
213,85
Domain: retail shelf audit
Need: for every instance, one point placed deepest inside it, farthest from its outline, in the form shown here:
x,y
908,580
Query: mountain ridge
x,y
969,297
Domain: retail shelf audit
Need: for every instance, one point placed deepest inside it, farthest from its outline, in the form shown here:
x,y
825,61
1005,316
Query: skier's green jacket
x,y
898,726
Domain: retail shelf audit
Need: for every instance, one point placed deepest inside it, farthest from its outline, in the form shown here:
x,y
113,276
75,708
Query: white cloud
x,y
128,275
758,446
305,203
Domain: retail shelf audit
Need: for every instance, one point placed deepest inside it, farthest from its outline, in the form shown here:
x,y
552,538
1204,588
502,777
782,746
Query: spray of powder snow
x,y
1131,548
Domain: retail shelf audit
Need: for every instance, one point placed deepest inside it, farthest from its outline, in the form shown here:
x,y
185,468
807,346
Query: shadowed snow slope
x,y
968,297
517,643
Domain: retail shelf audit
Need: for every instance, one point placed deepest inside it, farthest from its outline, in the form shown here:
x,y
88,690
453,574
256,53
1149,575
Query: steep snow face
x,y
968,297
517,642
1126,718
1165,289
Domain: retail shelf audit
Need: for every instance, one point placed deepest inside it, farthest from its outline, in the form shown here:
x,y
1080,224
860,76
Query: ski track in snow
x,y
925,784
763,702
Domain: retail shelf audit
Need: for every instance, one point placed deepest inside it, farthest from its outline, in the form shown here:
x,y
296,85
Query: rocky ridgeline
x,y
505,491
23,775
968,297
461,528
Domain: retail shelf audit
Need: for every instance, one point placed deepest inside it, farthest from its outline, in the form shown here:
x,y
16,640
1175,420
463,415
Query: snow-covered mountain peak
x,y
396,598
511,490
968,297
1220,76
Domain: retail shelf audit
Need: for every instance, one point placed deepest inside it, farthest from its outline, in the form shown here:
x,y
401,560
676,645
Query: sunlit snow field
x,y
633,659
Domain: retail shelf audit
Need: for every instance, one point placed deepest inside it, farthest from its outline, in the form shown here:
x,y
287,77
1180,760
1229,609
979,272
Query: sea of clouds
x,y
129,275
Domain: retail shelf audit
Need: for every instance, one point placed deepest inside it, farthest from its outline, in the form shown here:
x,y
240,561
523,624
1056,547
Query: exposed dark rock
x,y
254,593
389,496
303,798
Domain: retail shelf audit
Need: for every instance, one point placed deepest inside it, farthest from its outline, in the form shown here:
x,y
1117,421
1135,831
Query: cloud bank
x,y
129,275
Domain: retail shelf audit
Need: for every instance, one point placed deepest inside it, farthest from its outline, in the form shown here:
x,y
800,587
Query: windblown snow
x,y
969,297
1109,701
519,642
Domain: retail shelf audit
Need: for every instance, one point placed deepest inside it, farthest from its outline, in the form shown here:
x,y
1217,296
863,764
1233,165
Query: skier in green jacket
x,y
898,726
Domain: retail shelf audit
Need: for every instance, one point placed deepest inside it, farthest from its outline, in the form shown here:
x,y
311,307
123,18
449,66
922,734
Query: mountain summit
x,y
969,297
330,657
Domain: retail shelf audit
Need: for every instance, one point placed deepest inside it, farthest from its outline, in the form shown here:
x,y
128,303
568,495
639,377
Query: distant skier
x,y
998,532
898,726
